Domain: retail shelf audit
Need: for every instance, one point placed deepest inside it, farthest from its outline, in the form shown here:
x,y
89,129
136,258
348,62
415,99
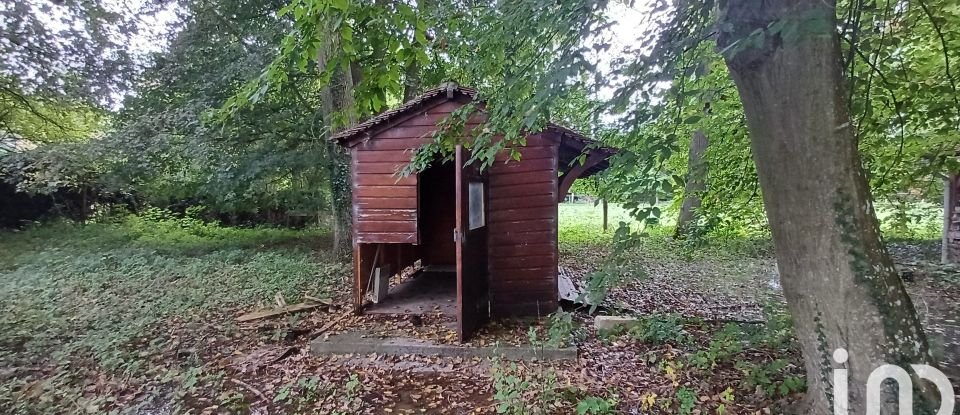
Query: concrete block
x,y
612,322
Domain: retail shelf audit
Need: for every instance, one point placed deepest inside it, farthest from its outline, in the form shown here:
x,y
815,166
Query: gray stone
x,y
357,343
612,322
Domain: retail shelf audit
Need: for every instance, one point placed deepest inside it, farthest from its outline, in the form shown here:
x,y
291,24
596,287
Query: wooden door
x,y
470,234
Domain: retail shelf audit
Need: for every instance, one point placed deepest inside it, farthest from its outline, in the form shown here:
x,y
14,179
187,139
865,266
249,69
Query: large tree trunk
x,y
412,78
696,182
837,277
951,220
338,111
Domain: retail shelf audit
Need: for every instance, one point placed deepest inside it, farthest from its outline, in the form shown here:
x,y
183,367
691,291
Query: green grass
x,y
75,293
582,223
581,226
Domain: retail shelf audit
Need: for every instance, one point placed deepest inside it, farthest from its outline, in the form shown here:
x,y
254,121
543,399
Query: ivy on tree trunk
x,y
838,279
338,111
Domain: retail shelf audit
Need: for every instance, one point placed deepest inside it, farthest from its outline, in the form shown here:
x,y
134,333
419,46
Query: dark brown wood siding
x,y
522,220
385,204
521,209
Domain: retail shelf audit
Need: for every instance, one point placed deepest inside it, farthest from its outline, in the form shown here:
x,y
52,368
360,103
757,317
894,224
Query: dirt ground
x,y
738,289
715,290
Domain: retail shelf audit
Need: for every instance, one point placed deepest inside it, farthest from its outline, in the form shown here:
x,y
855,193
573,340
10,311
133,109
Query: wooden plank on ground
x,y
257,315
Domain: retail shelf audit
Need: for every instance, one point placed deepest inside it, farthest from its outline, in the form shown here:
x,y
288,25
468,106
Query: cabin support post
x,y
366,257
950,253
604,202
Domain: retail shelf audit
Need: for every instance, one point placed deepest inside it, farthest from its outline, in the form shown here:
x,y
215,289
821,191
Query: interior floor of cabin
x,y
425,292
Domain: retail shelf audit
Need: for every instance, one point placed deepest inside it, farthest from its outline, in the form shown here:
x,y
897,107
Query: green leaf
x,y
342,5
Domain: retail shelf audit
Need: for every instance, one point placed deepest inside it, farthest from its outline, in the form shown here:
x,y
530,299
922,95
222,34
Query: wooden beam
x,y
951,193
366,259
594,158
604,201
257,315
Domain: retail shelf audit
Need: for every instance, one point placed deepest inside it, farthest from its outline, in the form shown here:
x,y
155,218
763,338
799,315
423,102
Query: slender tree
x,y
696,181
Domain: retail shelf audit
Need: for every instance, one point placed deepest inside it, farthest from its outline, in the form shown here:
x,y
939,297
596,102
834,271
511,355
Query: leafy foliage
x,y
660,329
71,49
597,405
264,162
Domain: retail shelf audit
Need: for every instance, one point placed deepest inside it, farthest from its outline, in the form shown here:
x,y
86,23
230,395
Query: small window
x,y
477,217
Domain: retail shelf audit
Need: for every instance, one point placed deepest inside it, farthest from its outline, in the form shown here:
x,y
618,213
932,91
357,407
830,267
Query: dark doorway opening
x,y
437,216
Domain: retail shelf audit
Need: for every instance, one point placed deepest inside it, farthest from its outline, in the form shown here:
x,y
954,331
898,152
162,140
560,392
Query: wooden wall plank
x,y
380,168
513,287
529,213
506,178
513,308
368,226
510,251
527,166
533,201
387,214
528,261
377,156
386,237
527,189
385,202
409,139
525,274
385,191
547,224
380,179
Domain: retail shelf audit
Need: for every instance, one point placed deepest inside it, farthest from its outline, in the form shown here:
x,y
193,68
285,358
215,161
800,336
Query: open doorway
x,y
437,218
432,287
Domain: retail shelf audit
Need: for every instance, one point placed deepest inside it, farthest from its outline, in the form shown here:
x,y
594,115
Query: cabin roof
x,y
572,142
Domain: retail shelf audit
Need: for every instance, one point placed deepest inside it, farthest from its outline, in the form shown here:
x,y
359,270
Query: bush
x,y
660,329
722,347
597,405
771,378
560,329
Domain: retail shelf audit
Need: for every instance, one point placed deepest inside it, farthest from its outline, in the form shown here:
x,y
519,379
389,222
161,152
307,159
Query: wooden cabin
x,y
484,242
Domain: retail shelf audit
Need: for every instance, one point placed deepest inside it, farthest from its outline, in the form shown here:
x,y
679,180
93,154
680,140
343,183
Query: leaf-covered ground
x,y
139,316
